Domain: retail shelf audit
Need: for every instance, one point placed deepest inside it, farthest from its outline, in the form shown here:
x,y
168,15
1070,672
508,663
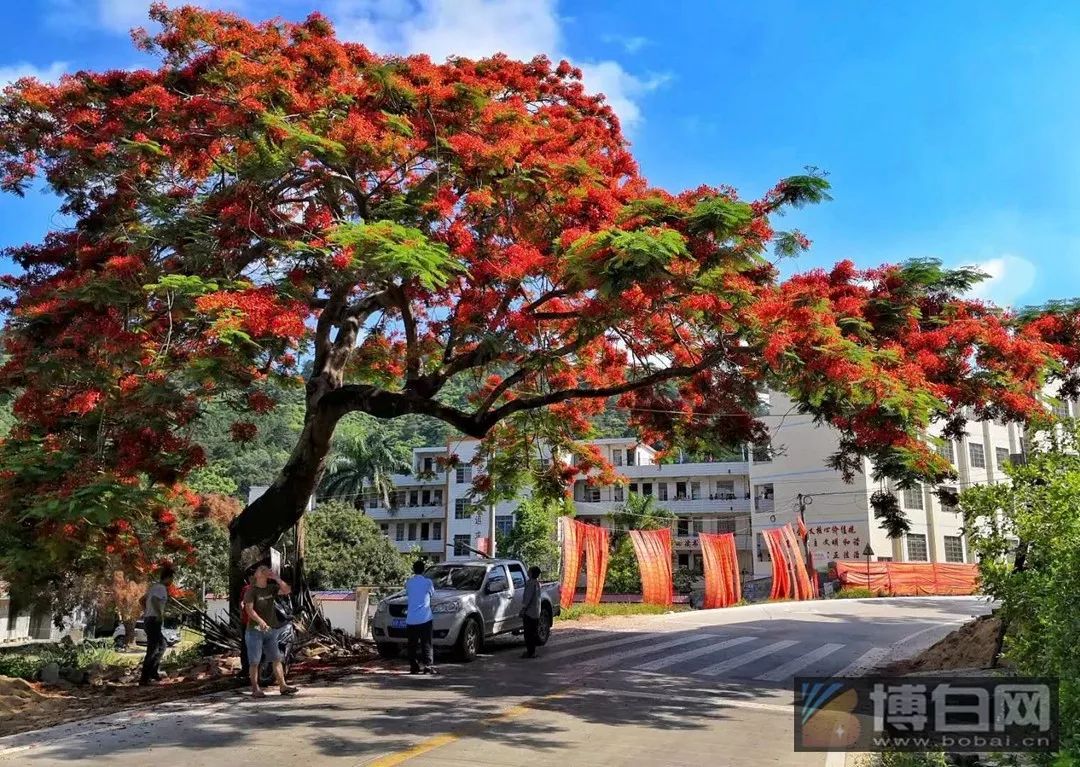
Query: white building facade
x,y
742,495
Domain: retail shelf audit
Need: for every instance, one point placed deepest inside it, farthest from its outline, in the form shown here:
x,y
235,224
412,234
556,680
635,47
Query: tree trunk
x,y
271,515
129,634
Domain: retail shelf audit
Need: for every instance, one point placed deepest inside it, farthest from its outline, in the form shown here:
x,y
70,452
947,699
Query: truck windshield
x,y
457,577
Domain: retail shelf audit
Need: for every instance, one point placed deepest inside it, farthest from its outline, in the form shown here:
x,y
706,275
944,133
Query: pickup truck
x,y
474,601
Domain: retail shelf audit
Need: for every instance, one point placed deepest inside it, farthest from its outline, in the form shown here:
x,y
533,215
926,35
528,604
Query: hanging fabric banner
x,y
780,566
722,582
596,546
571,559
653,550
910,578
803,587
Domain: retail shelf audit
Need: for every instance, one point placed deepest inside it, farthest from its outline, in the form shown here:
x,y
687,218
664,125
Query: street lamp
x,y
867,552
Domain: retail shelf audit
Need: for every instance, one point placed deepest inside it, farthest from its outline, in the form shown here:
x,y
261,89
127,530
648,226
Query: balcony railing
x,y
679,506
408,512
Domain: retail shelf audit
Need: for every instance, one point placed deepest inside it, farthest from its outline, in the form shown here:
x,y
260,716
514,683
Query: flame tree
x,y
270,196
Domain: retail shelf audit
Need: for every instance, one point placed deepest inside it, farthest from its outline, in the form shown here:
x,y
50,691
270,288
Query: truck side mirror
x,y
495,586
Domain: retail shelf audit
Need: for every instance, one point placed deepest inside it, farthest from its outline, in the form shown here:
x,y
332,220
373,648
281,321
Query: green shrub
x,y
611,609
853,592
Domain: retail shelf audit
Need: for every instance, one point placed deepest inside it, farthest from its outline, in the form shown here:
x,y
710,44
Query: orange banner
x,y
653,550
722,583
571,559
596,561
910,578
780,566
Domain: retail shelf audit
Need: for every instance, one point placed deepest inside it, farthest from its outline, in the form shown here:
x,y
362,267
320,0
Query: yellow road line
x,y
438,741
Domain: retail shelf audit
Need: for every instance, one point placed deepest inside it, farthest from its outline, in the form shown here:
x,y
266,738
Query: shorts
x,y
262,645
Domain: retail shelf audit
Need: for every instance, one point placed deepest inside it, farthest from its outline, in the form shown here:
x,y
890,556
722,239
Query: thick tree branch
x,y
552,398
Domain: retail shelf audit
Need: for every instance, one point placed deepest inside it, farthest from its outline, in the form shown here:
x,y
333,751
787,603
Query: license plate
x,y
397,623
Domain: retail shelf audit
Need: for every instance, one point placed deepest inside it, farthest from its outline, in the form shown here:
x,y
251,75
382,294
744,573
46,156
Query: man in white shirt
x,y
419,590
153,619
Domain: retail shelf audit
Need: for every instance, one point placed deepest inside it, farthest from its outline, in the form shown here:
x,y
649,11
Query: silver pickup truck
x,y
474,601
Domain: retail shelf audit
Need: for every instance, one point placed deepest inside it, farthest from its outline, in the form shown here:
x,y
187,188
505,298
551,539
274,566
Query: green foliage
x,y
623,575
1026,535
25,661
892,518
210,571
389,252
639,512
720,216
683,579
361,468
853,592
7,420
615,609
631,257
346,549
533,537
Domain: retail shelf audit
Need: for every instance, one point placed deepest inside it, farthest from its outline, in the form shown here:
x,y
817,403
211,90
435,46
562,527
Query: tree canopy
x,y
269,192
346,549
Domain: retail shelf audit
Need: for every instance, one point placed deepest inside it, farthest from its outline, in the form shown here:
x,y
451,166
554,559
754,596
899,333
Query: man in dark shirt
x,y
264,628
530,612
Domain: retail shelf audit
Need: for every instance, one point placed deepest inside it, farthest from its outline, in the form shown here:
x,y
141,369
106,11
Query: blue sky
x,y
948,130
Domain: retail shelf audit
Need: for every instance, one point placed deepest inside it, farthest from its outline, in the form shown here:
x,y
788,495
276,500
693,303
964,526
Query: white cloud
x,y
475,28
628,44
120,16
1009,279
13,72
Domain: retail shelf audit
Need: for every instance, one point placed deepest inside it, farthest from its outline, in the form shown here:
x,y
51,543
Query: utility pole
x,y
804,501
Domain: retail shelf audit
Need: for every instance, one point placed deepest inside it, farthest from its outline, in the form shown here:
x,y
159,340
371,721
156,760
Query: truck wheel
x,y
543,631
387,650
469,640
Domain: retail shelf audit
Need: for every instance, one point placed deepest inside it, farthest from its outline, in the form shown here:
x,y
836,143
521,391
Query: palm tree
x,y
362,466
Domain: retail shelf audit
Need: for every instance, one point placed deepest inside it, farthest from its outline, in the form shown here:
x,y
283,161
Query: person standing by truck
x,y
530,612
153,624
418,619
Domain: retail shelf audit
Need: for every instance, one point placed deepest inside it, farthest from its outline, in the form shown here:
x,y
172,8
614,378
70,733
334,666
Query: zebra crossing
x,y
739,655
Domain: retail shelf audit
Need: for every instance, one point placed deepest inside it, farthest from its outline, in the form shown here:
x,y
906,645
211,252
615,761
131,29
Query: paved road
x,y
695,688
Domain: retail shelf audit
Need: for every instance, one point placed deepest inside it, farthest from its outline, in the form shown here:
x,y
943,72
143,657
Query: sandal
x,y
288,690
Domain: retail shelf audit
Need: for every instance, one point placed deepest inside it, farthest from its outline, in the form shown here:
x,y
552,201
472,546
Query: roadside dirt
x,y
26,706
969,647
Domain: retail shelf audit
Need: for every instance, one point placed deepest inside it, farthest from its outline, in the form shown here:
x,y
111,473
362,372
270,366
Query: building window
x,y
682,528
617,492
646,489
725,491
460,544
633,488
414,498
373,502
425,498
462,509
425,531
954,548
630,457
1002,455
504,523
592,494
412,531
916,548
616,458
1060,407
725,525
436,531
695,491
680,491
913,497
438,498
464,475
684,561
399,531
945,450
978,455
384,528
948,492
661,491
